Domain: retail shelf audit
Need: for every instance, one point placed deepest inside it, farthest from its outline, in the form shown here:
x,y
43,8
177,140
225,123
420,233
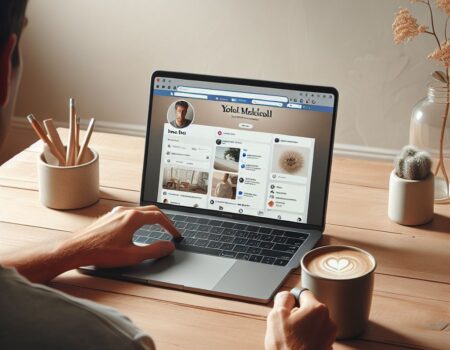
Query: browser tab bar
x,y
267,103
236,94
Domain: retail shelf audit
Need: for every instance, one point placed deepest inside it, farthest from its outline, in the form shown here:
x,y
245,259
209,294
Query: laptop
x,y
242,168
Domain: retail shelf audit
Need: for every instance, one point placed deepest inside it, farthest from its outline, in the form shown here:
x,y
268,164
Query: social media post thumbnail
x,y
185,180
227,159
224,185
289,161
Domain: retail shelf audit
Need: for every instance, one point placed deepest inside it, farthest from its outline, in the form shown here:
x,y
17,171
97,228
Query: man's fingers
x,y
154,251
146,208
158,217
150,215
284,300
308,304
307,299
155,209
121,209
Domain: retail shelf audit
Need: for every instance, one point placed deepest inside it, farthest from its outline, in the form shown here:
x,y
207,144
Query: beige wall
x,y
102,53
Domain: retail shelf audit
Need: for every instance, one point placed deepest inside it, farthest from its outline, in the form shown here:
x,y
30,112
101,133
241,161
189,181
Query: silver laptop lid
x,y
252,150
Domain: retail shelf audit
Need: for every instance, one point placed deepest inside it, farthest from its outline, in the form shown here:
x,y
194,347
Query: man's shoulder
x,y
47,325
187,122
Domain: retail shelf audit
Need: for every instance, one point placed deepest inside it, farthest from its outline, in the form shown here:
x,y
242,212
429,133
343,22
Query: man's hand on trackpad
x,y
108,241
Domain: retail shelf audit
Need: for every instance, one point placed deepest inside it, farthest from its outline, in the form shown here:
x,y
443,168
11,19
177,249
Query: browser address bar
x,y
232,94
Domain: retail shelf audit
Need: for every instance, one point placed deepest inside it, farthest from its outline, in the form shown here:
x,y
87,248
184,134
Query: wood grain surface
x,y
411,302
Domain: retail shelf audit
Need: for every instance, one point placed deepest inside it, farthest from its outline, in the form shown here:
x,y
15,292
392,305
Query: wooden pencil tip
x,y
30,118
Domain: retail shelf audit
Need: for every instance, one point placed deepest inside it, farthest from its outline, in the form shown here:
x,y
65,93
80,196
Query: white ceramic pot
x,y
411,202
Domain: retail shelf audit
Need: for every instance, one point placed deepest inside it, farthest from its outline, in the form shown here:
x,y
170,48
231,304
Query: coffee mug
x,y
69,187
342,278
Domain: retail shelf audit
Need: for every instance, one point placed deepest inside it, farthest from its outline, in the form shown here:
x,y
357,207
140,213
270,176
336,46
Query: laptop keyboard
x,y
227,239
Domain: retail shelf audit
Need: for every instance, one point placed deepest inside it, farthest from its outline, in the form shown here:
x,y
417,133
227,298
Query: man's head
x,y
12,21
225,177
181,108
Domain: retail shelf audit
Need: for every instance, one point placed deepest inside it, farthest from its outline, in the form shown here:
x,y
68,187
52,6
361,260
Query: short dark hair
x,y
182,104
12,14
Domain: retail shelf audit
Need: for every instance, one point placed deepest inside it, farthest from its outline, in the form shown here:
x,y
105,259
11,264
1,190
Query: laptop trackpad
x,y
182,269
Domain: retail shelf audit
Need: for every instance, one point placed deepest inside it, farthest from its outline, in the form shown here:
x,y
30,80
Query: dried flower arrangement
x,y
405,28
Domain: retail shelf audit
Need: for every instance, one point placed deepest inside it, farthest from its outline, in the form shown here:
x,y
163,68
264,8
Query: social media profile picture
x,y
180,114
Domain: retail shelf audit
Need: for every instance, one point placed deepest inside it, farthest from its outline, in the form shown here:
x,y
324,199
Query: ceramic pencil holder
x,y
69,187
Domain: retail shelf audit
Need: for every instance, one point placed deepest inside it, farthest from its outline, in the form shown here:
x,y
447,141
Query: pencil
x,y
70,155
77,137
54,136
87,137
43,136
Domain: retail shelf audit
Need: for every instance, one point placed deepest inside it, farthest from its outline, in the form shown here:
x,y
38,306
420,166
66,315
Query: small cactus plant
x,y
412,164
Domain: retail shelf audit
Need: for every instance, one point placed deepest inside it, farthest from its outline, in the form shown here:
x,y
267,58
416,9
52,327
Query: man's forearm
x,y
107,242
43,263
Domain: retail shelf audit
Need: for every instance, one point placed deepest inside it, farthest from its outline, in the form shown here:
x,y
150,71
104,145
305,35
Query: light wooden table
x,y
411,303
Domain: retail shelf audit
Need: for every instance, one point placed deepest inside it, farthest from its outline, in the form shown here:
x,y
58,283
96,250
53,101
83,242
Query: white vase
x,y
411,202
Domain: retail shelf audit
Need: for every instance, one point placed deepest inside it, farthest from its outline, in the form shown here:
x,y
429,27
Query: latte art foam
x,y
338,263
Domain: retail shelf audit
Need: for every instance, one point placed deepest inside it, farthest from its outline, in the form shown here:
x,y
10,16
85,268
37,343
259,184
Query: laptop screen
x,y
241,149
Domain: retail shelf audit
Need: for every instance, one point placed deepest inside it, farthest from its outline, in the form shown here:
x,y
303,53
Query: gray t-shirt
x,y
33,316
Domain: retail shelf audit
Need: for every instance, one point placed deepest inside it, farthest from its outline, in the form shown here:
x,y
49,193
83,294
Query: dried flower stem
x,y
441,164
445,29
433,32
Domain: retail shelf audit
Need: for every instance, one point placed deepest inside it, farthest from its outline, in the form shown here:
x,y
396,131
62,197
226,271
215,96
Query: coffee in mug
x,y
341,277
